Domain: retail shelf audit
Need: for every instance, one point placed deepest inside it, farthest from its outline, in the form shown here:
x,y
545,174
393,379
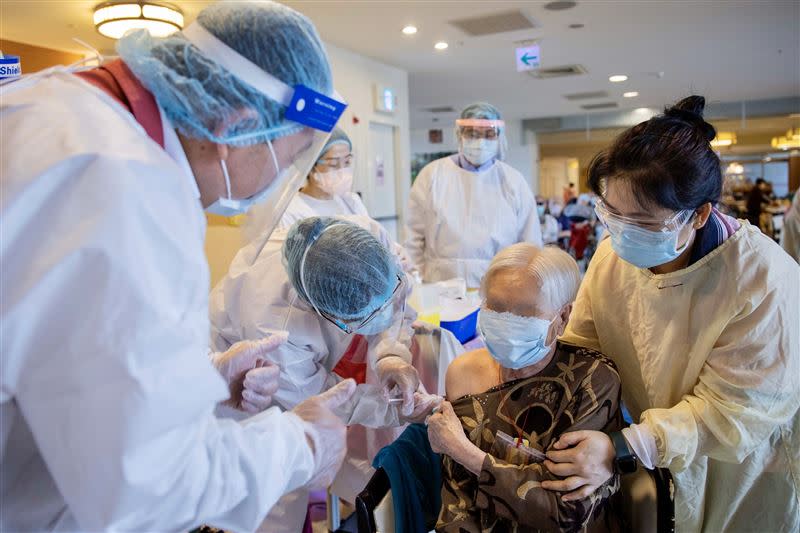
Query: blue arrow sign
x,y
528,58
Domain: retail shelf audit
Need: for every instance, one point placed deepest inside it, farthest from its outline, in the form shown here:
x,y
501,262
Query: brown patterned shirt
x,y
579,389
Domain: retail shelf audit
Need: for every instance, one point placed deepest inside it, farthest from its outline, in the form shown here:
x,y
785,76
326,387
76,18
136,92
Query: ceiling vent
x,y
557,72
492,24
604,105
586,96
440,109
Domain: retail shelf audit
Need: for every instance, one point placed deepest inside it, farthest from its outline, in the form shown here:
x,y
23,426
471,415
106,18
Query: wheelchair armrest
x,y
376,490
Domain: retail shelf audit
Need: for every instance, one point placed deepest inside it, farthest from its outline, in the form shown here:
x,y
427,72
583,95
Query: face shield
x,y
481,139
309,119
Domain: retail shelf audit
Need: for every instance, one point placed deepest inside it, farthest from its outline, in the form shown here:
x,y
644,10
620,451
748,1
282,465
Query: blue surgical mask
x,y
379,324
479,151
514,341
644,248
540,209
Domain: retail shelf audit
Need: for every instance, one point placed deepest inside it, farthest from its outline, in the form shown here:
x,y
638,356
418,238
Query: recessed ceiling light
x,y
560,5
441,45
631,94
575,26
410,30
642,110
616,78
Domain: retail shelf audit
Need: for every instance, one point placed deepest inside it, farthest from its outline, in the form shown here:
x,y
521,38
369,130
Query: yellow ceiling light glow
x,y
724,138
114,19
790,140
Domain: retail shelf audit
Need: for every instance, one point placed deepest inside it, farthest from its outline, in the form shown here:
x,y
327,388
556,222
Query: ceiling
x,y
727,50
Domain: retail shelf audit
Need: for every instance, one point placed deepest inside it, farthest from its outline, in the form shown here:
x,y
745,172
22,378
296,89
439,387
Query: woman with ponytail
x,y
699,312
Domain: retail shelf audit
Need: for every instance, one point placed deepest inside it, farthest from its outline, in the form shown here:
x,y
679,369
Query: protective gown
x,y
107,391
709,358
458,220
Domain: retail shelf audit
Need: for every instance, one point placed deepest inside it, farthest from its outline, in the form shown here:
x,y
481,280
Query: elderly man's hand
x,y
447,436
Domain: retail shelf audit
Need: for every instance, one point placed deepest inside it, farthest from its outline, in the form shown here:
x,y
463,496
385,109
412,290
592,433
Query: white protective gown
x,y
458,220
304,206
107,391
790,233
709,358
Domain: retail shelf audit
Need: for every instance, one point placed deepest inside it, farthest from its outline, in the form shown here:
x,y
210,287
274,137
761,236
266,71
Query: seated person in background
x,y
512,401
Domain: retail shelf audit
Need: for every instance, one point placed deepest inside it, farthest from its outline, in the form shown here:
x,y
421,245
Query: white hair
x,y
554,271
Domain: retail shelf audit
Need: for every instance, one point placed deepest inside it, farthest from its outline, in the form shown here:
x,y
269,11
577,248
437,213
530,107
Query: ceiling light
x,y
441,45
735,168
631,94
410,30
724,138
114,19
791,140
641,110
616,78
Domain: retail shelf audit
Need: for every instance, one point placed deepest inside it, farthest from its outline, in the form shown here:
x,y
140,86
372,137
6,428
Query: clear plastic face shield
x,y
481,139
310,118
387,318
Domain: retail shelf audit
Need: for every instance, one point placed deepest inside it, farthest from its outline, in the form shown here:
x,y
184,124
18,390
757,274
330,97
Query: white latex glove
x,y
260,384
242,358
326,433
394,373
424,404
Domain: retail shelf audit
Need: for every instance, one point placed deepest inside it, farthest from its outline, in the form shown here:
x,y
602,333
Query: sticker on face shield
x,y
314,109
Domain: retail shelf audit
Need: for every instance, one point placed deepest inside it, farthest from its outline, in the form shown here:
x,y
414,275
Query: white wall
x,y
523,153
354,77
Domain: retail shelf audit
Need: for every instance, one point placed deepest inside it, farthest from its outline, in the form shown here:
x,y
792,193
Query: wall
x,y
354,77
35,58
523,153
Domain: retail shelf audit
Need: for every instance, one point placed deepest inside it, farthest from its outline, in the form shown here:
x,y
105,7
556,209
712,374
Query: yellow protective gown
x,y
709,358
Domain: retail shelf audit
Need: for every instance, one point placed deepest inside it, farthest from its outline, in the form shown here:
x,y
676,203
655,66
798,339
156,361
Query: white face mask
x,y
479,151
336,182
514,341
229,207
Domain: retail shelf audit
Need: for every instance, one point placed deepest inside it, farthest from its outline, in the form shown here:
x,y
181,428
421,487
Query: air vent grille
x,y
586,96
603,105
495,23
557,72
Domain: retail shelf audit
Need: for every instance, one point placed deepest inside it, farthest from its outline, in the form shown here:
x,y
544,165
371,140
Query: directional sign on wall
x,y
528,58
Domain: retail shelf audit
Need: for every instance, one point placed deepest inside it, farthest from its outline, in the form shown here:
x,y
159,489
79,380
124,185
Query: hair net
x,y
203,99
348,273
484,111
338,136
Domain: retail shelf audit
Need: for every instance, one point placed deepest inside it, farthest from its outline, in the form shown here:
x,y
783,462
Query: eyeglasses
x,y
336,162
472,132
669,224
354,325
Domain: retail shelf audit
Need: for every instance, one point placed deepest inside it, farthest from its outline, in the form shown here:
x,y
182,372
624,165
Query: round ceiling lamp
x,y
114,19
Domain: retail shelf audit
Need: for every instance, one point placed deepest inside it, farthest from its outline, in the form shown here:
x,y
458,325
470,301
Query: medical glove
x,y
240,359
326,433
394,372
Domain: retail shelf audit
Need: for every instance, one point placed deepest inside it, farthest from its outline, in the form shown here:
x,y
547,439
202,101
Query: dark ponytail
x,y
667,161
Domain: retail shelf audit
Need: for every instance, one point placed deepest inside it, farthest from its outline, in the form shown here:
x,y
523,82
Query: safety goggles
x,y
615,222
397,299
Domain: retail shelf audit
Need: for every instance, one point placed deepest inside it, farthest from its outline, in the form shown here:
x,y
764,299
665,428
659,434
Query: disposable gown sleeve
x,y
117,389
749,385
419,216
